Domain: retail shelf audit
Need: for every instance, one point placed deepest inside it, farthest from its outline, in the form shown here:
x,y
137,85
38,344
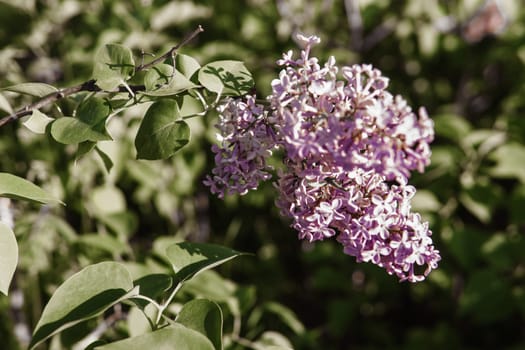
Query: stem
x,y
90,85
167,303
171,52
149,300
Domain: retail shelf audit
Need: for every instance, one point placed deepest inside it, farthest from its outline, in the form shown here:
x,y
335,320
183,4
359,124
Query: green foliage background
x,y
473,193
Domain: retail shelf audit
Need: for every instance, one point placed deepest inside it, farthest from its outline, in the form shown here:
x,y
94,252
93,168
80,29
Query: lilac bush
x,y
349,149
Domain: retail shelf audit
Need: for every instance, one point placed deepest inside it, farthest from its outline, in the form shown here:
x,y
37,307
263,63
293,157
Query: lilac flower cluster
x,y
246,143
350,147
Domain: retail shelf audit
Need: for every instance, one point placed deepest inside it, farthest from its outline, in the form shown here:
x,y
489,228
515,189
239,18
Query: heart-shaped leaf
x,y
188,259
162,132
94,111
187,65
70,130
15,187
226,78
84,295
175,336
205,317
8,257
114,65
163,80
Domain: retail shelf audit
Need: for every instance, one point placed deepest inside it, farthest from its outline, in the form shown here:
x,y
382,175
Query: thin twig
x,y
171,52
90,85
60,94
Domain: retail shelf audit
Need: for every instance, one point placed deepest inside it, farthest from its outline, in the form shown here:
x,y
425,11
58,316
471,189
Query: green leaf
x,y
108,163
38,122
205,317
188,259
114,65
15,187
226,78
162,132
175,336
157,76
8,257
152,286
187,65
272,340
481,199
452,126
209,284
32,89
84,295
5,105
94,112
286,315
509,160
70,130
189,106
106,243
84,148
162,80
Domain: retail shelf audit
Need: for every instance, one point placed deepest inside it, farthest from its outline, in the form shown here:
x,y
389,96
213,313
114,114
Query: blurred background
x,y
464,60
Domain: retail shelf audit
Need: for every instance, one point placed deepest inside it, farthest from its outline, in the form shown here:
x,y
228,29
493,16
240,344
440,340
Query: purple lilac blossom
x,y
245,144
349,149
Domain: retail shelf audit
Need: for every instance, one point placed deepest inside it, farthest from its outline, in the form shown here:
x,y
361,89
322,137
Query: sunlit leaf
x,y
5,105
70,130
38,122
226,78
15,187
189,105
158,76
509,159
187,65
175,336
273,340
114,65
137,322
162,132
286,315
162,80
84,295
209,284
32,89
205,317
8,257
188,258
108,163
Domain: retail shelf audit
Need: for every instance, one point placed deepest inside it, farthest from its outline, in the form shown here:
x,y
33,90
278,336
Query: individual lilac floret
x,y
245,144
